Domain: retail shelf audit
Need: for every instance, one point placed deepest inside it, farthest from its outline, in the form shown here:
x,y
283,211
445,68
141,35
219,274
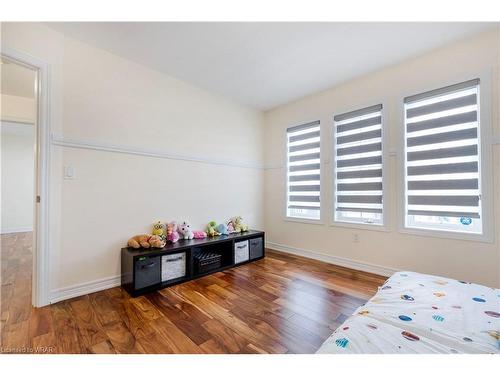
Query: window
x,y
442,159
303,171
358,193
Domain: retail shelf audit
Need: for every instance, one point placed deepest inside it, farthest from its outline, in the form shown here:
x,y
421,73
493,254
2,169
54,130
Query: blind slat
x,y
442,91
298,128
473,215
304,206
461,118
359,199
443,153
444,168
468,184
358,113
305,188
359,161
359,137
368,173
304,157
309,177
359,149
307,146
443,137
444,200
307,167
359,124
304,198
301,137
357,209
360,186
444,105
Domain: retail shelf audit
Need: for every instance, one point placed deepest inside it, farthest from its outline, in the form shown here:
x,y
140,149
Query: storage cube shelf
x,y
146,270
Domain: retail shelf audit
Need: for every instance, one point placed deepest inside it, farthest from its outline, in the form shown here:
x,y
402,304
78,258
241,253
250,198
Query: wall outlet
x,y
355,237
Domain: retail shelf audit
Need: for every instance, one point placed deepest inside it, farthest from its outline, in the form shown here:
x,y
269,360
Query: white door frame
x,y
41,247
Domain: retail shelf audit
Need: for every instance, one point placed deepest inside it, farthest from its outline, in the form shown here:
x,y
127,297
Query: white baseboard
x,y
338,261
16,230
77,290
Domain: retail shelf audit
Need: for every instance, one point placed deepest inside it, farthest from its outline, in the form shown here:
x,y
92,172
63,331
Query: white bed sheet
x,y
417,313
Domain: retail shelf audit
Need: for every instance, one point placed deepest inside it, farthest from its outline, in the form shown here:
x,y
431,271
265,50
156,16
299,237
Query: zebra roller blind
x,y
358,166
443,158
303,171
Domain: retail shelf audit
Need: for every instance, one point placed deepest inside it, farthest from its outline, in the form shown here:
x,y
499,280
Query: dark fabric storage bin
x,y
206,262
256,248
147,272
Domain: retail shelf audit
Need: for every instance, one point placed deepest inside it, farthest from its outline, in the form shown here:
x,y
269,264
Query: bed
x,y
416,313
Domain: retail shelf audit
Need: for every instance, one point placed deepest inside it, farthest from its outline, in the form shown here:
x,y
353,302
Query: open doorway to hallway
x,y
18,113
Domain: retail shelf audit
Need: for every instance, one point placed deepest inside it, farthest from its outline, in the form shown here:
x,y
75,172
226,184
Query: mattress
x,y
416,313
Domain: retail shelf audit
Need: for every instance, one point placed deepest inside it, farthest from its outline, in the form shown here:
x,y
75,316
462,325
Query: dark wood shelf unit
x,y
144,266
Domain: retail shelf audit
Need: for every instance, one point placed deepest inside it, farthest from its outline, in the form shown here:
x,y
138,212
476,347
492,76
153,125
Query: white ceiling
x,y
17,80
264,65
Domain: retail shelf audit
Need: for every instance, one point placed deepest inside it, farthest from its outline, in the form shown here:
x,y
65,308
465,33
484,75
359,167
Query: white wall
x,y
18,108
99,98
474,261
18,162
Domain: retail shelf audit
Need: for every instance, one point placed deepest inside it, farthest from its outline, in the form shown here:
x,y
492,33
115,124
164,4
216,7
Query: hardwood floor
x,y
281,304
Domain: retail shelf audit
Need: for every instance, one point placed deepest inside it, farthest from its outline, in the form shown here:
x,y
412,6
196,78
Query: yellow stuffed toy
x,y
237,224
159,230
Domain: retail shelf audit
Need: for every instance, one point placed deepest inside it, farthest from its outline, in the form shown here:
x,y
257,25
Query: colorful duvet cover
x,y
416,313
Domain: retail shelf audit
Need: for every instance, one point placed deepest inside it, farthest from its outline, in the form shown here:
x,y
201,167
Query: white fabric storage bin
x,y
173,266
241,252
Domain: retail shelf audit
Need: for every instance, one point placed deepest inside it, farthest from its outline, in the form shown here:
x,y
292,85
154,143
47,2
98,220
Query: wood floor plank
x,y
212,347
175,338
280,304
229,340
89,327
104,347
68,338
155,344
122,339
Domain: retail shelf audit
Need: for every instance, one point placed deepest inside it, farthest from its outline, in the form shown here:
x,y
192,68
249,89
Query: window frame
x,y
286,217
384,227
485,172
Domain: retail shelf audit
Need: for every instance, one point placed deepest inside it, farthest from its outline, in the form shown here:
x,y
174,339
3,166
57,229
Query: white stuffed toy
x,y
185,231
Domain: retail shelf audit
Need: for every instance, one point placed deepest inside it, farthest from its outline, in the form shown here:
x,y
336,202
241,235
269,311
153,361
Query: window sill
x,y
447,235
378,228
303,221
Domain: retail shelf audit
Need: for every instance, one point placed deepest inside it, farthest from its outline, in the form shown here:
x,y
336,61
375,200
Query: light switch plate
x,y
69,172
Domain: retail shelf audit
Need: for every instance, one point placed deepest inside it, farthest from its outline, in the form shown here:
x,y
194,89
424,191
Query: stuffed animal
x,y
146,241
230,227
159,230
199,234
185,231
238,224
172,234
212,229
222,229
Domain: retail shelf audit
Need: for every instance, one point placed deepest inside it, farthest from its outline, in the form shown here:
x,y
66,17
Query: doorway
x,y
18,123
